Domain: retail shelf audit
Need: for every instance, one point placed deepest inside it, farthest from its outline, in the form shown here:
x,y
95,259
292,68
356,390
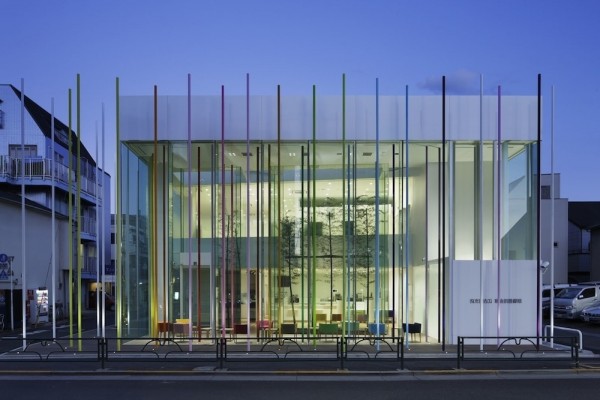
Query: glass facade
x,y
351,212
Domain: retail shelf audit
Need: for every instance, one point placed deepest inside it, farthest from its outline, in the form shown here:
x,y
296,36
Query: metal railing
x,y
480,348
214,350
562,328
41,169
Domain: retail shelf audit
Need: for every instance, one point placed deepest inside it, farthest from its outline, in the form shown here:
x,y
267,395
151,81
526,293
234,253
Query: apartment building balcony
x,y
38,171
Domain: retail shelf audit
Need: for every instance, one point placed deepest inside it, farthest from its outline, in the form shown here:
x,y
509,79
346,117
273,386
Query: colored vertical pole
x,y
248,275
189,206
153,273
314,217
199,244
164,231
70,183
79,249
344,224
302,296
279,267
223,289
552,218
102,231
98,292
23,211
499,205
407,218
480,214
231,243
377,266
53,229
443,213
538,211
118,221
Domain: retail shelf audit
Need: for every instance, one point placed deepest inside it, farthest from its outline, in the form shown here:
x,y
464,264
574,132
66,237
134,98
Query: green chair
x,y
352,328
328,329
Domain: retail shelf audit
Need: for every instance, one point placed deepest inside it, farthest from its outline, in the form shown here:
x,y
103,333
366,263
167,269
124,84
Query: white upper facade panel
x,y
467,118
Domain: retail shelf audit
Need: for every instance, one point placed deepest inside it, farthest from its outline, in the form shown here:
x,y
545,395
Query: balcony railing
x,y
41,169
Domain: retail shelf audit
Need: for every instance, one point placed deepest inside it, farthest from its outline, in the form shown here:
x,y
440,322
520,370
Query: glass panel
x,y
135,251
465,201
519,232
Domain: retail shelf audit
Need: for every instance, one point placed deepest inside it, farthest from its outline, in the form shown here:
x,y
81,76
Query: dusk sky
x,y
301,43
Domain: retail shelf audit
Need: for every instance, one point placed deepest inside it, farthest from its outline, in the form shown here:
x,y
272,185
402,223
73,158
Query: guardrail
x,y
217,350
562,328
512,347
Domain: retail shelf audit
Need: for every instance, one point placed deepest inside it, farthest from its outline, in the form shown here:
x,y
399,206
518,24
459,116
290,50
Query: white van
x,y
570,302
546,291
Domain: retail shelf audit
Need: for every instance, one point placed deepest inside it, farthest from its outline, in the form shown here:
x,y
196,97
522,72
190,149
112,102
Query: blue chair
x,y
377,329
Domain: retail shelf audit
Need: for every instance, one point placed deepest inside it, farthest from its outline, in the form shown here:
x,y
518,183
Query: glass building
x,y
292,213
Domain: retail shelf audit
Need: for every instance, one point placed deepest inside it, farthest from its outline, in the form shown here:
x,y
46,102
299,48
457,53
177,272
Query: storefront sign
x,y
496,301
5,271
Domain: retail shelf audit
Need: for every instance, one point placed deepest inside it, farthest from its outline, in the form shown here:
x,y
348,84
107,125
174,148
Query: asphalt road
x,y
300,387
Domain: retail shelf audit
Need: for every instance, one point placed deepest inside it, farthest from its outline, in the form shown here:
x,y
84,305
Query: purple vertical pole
x,y
189,156
248,275
223,288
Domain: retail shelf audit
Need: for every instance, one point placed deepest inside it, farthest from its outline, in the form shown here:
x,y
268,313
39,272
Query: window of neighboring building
x,y
1,119
545,192
18,151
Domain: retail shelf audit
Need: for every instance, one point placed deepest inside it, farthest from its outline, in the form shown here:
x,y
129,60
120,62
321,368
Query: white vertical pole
x,y
53,230
480,213
406,246
99,290
552,221
23,242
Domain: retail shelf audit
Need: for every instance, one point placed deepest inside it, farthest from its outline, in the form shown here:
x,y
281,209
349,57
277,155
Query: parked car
x,y
546,290
591,314
570,302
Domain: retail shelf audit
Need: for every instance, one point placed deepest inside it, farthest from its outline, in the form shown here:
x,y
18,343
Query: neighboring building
x,y
595,253
560,219
356,227
584,218
30,163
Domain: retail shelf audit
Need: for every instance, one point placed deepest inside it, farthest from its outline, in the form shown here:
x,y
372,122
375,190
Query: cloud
x,y
461,81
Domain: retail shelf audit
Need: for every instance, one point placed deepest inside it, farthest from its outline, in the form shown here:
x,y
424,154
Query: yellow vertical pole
x,y
279,267
153,274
